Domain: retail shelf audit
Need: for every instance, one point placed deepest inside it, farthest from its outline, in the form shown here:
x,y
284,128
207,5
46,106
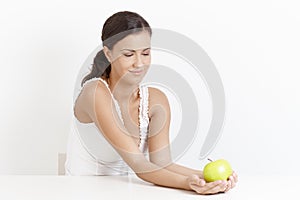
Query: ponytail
x,y
101,67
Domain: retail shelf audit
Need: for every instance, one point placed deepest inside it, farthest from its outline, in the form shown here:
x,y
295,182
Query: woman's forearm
x,y
183,170
164,177
153,173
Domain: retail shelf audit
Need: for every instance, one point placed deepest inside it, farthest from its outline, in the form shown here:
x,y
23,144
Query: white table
x,y
130,187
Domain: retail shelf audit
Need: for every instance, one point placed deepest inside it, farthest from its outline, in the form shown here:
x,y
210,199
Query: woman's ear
x,y
107,53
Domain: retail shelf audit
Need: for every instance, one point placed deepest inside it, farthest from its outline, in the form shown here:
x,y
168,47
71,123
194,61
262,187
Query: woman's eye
x,y
128,55
146,54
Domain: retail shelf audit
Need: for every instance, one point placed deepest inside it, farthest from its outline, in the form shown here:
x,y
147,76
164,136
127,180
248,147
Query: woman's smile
x,y
136,71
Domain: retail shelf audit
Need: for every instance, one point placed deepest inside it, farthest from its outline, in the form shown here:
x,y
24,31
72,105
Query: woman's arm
x,y
180,169
159,145
99,106
158,140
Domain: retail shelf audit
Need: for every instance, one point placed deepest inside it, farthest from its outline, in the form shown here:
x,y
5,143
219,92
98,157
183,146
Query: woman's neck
x,y
122,90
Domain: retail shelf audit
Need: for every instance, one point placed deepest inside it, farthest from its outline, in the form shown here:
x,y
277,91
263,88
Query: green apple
x,y
217,170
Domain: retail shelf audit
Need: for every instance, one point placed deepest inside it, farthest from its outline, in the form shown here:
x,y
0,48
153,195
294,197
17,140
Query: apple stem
x,y
209,159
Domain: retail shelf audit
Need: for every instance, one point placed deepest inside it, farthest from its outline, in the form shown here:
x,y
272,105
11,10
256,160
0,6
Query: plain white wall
x,y
254,44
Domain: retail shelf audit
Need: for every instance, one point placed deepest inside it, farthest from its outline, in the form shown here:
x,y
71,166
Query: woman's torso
x,y
89,153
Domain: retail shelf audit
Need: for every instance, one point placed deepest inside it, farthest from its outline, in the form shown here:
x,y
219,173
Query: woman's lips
x,y
137,72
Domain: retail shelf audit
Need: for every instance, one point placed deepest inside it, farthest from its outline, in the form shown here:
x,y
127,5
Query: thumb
x,y
202,182
195,179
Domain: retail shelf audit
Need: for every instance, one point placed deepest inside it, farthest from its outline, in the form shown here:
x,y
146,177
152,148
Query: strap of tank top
x,y
115,101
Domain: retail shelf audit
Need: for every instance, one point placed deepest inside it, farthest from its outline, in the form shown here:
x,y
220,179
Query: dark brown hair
x,y
115,28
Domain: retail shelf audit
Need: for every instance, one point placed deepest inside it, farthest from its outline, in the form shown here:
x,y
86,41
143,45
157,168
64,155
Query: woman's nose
x,y
138,61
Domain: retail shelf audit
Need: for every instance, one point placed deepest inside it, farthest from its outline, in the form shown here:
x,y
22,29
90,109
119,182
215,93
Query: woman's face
x,y
130,57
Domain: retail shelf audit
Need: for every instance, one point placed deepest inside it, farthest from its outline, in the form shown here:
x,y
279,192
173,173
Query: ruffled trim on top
x,y
143,116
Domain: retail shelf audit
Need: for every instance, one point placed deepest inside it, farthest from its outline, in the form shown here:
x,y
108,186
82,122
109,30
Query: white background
x,y
255,46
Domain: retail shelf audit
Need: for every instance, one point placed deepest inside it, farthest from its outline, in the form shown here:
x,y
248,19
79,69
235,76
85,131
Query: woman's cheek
x,y
147,60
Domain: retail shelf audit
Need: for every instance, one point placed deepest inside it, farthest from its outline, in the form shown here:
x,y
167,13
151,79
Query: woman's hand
x,y
201,187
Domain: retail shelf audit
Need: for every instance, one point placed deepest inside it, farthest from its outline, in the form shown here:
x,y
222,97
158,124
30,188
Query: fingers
x,y
229,184
208,188
231,181
215,187
235,176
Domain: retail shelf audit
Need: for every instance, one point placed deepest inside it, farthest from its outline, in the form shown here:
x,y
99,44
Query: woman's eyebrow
x,y
132,50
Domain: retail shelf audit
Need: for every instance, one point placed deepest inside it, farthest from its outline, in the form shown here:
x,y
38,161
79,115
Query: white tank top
x,y
89,153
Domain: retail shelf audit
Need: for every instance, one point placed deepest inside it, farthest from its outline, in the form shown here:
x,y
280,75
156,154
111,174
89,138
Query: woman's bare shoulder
x,y
84,106
156,95
157,99
91,88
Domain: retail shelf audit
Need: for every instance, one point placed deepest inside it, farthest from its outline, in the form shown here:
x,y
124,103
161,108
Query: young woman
x,y
131,120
